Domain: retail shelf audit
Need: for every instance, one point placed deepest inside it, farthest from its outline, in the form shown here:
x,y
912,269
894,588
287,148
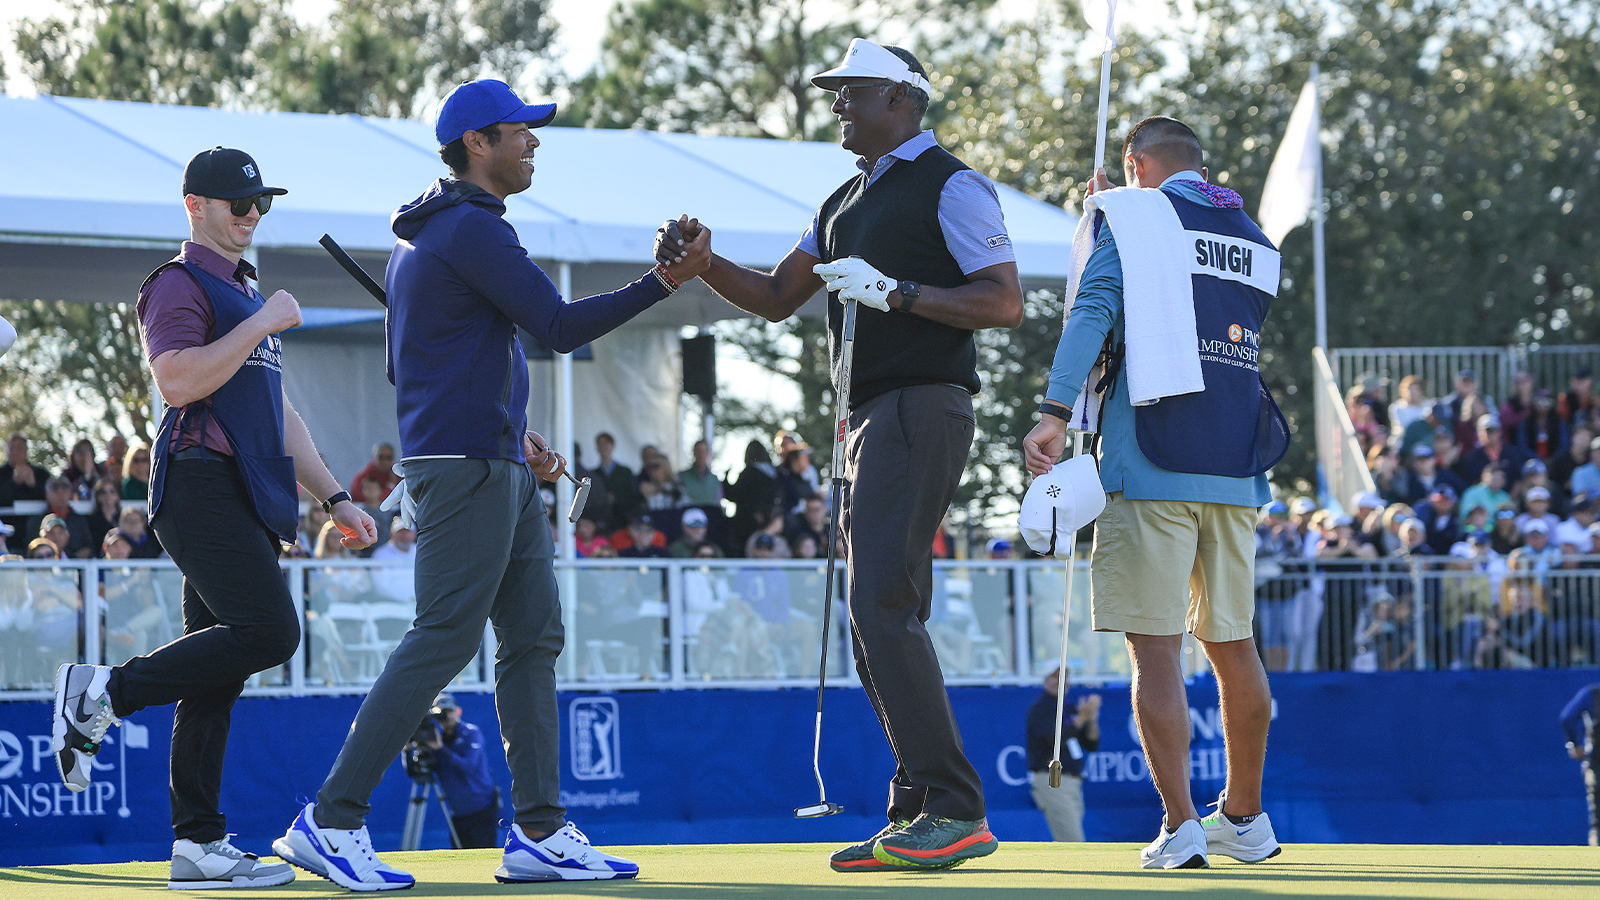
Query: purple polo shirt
x,y
175,313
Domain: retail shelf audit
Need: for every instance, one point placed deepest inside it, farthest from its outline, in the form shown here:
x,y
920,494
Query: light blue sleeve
x,y
974,225
1094,312
808,241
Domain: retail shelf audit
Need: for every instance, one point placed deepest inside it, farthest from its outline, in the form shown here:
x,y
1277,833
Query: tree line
x,y
1462,160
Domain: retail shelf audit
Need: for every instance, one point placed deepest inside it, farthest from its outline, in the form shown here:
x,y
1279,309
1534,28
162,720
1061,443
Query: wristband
x,y
335,500
1055,409
667,281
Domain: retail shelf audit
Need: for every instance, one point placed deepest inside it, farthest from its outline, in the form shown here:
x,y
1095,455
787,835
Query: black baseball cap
x,y
224,174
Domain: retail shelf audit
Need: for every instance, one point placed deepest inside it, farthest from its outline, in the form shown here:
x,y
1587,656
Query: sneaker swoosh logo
x,y
332,847
1245,831
84,715
557,855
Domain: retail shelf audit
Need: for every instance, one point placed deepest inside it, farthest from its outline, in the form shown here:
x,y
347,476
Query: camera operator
x,y
464,779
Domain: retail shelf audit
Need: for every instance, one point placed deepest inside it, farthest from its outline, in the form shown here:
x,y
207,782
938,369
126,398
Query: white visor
x,y
865,59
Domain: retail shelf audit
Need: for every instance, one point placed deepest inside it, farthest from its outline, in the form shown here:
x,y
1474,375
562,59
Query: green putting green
x,y
1018,870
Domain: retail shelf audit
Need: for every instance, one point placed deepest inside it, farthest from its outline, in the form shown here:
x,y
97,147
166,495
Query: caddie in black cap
x,y
223,501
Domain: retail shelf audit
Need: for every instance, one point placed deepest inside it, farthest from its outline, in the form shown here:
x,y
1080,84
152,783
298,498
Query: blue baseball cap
x,y
475,105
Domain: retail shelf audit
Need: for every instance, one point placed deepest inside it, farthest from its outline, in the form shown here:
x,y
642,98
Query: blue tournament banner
x,y
1434,757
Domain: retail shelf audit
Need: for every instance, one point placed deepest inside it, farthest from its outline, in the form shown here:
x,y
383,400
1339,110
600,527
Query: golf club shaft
x,y
841,431
354,268
1066,627
543,449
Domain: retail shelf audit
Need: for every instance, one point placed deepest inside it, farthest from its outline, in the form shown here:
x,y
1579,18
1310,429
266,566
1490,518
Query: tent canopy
x,y
105,198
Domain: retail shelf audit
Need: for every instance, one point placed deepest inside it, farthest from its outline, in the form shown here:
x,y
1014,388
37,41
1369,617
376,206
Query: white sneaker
x,y
219,864
343,857
565,855
82,715
1181,849
1249,843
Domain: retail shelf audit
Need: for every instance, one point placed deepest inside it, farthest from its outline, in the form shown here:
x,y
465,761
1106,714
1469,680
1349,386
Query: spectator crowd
x,y
1476,550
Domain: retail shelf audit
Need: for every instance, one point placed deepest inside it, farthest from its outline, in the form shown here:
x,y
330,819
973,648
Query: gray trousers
x,y
904,460
483,553
1062,806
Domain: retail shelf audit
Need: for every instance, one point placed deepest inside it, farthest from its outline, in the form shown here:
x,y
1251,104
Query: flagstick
x,y
1105,85
1319,265
124,811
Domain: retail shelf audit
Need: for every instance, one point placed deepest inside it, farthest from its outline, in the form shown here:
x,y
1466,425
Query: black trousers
x,y
903,462
238,619
479,829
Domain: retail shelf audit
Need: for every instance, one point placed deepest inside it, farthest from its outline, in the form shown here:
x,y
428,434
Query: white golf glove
x,y
402,498
855,280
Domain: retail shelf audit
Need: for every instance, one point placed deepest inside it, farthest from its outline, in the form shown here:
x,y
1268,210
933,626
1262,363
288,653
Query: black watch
x,y
909,292
1050,408
335,500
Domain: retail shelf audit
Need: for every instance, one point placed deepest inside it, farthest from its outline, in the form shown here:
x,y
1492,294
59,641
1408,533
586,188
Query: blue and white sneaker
x,y
343,857
565,855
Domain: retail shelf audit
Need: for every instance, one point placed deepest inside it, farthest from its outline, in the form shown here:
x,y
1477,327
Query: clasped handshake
x,y
679,241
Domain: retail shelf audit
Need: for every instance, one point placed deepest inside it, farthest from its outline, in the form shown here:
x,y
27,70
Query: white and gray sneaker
x,y
82,715
1249,843
219,864
565,855
343,857
1181,849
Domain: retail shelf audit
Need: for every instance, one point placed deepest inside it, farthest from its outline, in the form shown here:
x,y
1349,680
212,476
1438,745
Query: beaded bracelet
x,y
667,281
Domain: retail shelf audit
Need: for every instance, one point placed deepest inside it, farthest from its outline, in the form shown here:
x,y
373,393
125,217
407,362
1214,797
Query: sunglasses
x,y
848,91
241,206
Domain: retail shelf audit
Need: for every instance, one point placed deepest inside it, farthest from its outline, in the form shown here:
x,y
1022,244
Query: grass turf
x,y
1016,871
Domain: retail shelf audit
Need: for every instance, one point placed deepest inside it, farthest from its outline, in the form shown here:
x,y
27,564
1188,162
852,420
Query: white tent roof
x,y
107,171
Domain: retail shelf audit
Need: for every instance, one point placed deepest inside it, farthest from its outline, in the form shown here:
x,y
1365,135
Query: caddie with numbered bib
x,y
1160,359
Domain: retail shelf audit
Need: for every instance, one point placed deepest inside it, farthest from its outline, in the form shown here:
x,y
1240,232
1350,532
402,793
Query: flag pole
x,y
1105,86
1319,262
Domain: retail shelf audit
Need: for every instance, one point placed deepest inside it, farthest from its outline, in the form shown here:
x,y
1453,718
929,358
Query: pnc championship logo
x,y
1235,333
249,171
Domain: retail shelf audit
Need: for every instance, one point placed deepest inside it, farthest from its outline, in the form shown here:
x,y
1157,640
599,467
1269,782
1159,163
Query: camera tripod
x,y
417,811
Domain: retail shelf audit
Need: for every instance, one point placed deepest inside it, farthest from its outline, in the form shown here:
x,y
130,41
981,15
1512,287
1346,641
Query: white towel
x,y
1163,346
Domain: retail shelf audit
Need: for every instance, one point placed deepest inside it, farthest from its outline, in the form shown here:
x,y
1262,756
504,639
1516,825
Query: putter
x,y
580,496
1105,74
1066,626
841,431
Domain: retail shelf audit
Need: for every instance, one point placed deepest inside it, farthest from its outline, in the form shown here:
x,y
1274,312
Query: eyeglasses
x,y
847,92
241,206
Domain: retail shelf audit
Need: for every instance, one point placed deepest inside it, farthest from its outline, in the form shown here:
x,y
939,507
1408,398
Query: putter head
x,y
1055,773
817,810
579,498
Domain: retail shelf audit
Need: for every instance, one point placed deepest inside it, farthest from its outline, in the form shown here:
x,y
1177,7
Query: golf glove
x,y
855,280
402,498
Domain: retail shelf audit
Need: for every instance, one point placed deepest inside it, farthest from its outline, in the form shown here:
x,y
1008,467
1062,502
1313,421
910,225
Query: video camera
x,y
420,760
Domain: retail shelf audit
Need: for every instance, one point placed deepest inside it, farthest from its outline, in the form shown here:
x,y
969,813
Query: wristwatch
x,y
909,292
335,500
1051,408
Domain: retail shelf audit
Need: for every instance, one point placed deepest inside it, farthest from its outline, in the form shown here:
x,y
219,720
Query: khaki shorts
x,y
1170,566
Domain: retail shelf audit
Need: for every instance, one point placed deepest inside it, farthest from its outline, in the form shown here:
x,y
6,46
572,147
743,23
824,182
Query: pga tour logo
x,y
596,739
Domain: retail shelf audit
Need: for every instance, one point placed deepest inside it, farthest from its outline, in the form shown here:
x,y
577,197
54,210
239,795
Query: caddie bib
x,y
249,407
1234,427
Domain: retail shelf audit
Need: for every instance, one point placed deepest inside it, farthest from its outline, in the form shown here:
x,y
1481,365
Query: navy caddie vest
x,y
1234,427
249,407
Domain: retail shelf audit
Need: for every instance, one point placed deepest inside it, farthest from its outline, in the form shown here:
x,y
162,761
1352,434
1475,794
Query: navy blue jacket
x,y
464,770
459,286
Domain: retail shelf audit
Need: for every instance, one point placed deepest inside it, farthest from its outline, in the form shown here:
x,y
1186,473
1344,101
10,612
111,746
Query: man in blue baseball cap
x,y
460,285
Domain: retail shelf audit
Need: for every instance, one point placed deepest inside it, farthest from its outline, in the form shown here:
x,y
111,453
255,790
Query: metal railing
x,y
674,624
1438,366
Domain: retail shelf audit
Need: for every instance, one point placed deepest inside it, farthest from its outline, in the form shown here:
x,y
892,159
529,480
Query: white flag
x,y
1291,186
1102,16
136,737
